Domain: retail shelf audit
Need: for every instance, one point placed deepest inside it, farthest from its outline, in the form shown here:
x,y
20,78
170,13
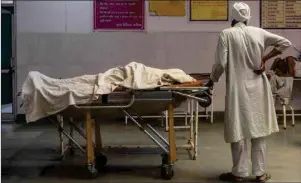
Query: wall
x,y
56,38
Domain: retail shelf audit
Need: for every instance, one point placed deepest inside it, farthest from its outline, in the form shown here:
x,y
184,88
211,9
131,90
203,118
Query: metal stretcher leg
x,y
63,149
167,171
196,118
293,115
90,158
212,109
166,120
98,141
63,132
100,159
284,116
70,144
186,120
191,139
60,122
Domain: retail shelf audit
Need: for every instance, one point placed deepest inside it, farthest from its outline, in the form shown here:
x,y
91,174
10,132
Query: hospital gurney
x,y
128,102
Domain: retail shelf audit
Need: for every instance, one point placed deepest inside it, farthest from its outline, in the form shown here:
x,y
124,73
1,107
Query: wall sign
x,y
202,10
280,14
171,8
119,15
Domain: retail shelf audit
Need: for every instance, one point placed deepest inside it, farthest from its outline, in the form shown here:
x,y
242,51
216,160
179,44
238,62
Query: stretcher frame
x,y
95,160
190,112
191,109
193,124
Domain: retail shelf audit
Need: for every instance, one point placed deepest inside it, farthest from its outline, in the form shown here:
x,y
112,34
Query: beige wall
x,y
56,39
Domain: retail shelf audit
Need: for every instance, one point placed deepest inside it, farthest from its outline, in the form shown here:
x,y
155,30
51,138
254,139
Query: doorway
x,y
7,64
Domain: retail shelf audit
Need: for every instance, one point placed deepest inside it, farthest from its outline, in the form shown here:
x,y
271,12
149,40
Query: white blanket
x,y
43,96
281,86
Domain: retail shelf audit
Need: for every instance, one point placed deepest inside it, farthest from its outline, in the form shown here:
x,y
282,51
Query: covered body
x,y
249,110
43,96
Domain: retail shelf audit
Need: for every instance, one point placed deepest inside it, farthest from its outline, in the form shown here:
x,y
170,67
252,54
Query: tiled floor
x,y
29,154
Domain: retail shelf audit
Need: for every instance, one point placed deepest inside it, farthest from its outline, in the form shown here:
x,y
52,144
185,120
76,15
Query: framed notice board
x,y
206,10
280,14
170,8
118,15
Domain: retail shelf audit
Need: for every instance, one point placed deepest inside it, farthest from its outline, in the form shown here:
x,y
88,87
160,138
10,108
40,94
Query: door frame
x,y
11,117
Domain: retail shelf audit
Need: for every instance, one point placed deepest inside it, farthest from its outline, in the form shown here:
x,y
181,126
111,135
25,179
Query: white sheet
x,y
281,86
43,96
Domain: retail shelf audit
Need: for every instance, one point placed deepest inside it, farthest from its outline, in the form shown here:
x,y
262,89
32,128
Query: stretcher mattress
x,y
43,96
146,103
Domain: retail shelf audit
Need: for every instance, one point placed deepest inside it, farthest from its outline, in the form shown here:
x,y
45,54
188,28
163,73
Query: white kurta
x,y
249,108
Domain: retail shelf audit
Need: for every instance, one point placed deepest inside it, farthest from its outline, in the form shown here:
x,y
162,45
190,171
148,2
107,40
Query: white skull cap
x,y
241,12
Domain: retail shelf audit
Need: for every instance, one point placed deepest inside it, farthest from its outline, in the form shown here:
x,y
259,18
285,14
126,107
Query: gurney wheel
x,y
101,161
92,171
167,172
205,97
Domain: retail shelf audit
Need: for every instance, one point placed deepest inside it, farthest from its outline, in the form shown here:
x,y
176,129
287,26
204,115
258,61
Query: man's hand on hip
x,y
262,68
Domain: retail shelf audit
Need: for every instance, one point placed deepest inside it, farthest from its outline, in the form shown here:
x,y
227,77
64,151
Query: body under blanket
x,y
43,96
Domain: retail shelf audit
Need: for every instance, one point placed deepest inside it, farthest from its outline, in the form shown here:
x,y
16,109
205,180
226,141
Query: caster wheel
x,y
284,128
167,172
101,161
92,172
206,100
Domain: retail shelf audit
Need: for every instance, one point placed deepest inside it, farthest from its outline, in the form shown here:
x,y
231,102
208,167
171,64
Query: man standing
x,y
249,110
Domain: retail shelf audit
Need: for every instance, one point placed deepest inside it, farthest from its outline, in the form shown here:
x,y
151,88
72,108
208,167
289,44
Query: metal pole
x,y
159,135
146,132
68,136
80,132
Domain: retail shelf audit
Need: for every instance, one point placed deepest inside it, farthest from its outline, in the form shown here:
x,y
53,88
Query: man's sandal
x,y
263,178
229,177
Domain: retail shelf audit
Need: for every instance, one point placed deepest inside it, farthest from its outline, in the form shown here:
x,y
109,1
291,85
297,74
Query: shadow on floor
x,y
46,163
80,172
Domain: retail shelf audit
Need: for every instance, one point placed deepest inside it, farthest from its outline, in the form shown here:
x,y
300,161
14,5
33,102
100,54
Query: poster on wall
x,y
208,10
119,15
171,8
279,14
